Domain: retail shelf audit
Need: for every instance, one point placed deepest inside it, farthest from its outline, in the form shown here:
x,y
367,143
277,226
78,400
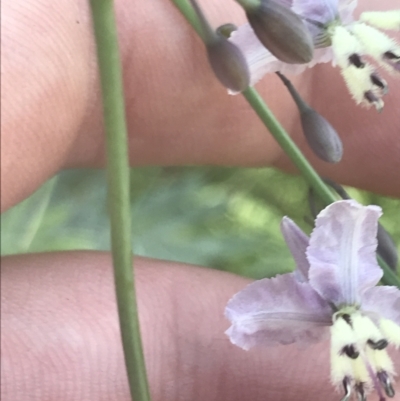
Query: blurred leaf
x,y
225,218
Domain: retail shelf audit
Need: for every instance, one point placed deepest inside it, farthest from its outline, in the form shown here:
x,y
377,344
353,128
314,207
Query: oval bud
x,y
281,31
321,136
226,59
229,64
319,133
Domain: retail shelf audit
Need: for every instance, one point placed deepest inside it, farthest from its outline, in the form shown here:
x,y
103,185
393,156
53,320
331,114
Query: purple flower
x,y
337,38
332,293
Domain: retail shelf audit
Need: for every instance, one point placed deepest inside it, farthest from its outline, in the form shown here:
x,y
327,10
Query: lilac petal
x,y
325,11
382,301
297,242
342,252
277,311
318,14
346,10
322,11
262,62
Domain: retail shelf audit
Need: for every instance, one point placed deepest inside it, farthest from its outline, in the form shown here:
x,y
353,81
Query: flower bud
x,y
280,30
321,136
319,133
226,59
228,64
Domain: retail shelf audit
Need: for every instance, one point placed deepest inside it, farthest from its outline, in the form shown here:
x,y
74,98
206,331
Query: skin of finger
x,y
177,112
60,338
45,90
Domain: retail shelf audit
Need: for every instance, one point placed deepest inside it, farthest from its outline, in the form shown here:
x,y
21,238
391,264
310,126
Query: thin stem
x,y
285,141
119,194
190,14
288,146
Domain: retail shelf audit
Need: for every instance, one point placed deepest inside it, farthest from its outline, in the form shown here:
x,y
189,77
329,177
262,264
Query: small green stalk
x,y
288,146
119,194
285,141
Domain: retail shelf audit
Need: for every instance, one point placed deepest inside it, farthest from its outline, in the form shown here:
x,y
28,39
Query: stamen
x,y
391,56
347,389
379,82
373,99
361,396
347,318
350,351
384,379
356,60
378,345
377,44
391,331
392,59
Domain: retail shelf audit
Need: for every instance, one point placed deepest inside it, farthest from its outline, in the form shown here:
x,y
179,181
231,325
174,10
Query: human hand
x,y
60,332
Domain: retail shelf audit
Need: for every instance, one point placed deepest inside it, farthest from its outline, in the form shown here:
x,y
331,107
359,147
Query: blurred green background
x,y
224,218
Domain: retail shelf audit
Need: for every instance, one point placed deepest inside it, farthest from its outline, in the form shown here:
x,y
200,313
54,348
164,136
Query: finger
x,y
61,339
177,112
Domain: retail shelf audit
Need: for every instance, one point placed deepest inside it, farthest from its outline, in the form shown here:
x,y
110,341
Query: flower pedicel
x,y
332,292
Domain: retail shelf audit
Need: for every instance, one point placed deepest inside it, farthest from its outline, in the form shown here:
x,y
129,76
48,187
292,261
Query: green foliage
x,y
224,218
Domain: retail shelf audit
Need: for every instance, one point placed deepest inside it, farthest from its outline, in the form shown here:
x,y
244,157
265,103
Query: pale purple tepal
x,y
332,293
338,38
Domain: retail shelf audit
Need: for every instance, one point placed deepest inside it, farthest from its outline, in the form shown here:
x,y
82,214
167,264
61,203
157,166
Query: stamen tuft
x,y
391,331
378,45
382,19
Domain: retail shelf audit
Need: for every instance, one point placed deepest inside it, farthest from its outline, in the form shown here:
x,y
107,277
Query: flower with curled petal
x,y
332,293
338,38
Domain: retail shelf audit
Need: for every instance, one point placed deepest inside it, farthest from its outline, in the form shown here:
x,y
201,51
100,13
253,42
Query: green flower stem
x,y
190,14
285,141
288,146
119,194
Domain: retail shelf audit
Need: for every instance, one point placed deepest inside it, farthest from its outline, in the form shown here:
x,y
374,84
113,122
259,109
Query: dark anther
x,y
379,82
373,99
355,59
384,379
391,56
350,351
347,389
379,345
361,396
347,319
